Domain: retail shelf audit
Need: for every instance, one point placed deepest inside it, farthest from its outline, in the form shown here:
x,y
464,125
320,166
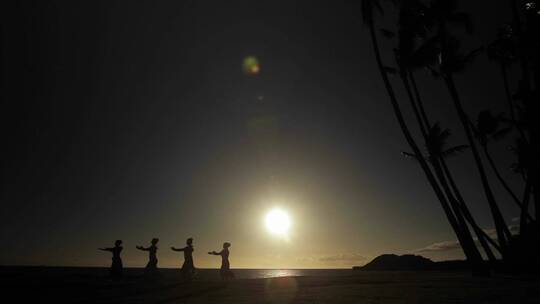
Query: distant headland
x,y
410,262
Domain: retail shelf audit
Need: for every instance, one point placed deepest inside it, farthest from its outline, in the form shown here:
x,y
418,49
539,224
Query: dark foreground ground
x,y
45,285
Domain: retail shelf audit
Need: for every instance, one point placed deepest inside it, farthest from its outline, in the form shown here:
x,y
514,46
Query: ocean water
x,y
201,274
274,273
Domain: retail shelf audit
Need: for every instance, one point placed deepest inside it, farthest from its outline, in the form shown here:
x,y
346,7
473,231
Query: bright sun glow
x,y
278,222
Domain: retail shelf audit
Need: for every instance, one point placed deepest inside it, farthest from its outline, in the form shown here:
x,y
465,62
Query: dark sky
x,y
125,119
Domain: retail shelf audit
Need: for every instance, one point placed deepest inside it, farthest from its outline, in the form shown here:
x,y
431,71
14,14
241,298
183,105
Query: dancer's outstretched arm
x,y
177,249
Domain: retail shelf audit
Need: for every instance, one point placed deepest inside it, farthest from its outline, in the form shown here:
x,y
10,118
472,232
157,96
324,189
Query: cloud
x,y
440,246
452,245
514,229
308,259
343,257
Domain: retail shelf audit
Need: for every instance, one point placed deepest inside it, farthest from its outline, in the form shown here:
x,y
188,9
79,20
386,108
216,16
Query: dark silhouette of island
x,y
225,270
151,267
116,266
410,262
188,268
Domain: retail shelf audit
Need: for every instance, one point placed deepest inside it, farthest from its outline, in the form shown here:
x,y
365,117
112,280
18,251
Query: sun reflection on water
x,y
276,273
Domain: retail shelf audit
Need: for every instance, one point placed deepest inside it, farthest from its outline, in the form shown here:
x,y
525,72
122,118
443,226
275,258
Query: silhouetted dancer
x,y
188,268
151,267
225,270
116,266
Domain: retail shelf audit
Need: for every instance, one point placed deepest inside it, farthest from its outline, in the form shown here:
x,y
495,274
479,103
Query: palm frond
x,y
454,150
410,155
368,10
427,53
499,134
464,19
472,54
390,70
387,33
444,134
438,134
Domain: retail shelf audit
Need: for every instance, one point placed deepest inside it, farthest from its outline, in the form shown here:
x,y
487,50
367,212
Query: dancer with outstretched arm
x,y
116,266
225,270
151,267
188,268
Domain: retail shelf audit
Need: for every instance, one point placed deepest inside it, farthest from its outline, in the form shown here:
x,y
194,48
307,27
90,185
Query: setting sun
x,y
278,222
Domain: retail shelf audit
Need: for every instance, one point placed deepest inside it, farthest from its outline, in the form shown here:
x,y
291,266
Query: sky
x,y
132,120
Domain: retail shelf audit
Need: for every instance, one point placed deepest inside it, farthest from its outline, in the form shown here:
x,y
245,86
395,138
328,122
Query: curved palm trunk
x,y
503,182
470,247
421,124
533,166
535,143
405,129
462,207
463,233
483,238
509,99
419,100
503,233
533,170
504,74
523,217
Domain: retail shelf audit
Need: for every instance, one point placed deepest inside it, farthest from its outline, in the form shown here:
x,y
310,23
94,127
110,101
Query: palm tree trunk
x,y
407,134
533,168
535,124
507,92
464,231
524,209
403,75
533,172
470,247
503,182
463,234
510,101
523,217
503,233
419,100
483,238
405,130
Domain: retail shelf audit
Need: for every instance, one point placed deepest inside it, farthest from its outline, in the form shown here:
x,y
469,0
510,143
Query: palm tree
x,y
482,236
503,233
527,33
438,138
503,52
532,41
412,26
368,8
486,129
521,150
437,155
448,61
522,42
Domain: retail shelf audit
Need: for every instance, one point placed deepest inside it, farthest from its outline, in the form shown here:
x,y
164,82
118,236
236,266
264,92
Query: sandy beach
x,y
90,286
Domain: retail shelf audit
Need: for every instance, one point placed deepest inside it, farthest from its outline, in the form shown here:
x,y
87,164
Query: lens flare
x,y
251,65
280,290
